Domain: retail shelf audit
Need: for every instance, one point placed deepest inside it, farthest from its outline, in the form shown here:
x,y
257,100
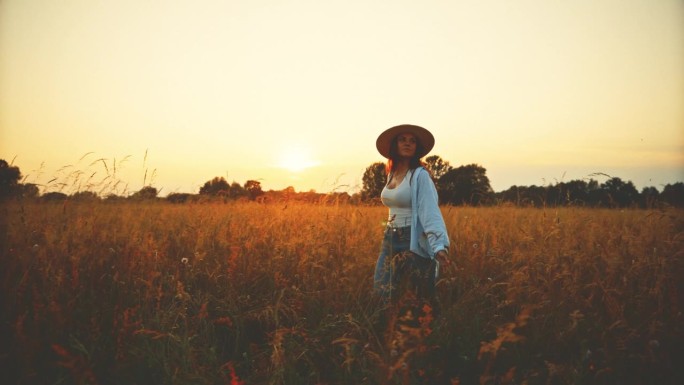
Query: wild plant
x,y
207,293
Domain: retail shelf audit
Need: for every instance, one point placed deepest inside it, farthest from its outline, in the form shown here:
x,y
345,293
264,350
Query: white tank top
x,y
398,200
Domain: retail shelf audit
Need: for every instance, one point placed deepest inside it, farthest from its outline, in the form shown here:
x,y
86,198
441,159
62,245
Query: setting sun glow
x,y
296,159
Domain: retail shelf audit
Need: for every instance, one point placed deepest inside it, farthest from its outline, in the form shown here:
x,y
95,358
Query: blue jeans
x,y
398,268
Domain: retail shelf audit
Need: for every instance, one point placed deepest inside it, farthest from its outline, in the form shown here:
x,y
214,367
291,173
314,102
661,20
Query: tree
x,y
437,166
512,195
569,193
85,196
27,190
673,194
114,198
649,197
147,192
466,185
620,193
236,191
524,195
374,180
253,188
214,187
54,197
9,179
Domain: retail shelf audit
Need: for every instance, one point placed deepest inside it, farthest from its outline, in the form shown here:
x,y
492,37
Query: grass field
x,y
242,293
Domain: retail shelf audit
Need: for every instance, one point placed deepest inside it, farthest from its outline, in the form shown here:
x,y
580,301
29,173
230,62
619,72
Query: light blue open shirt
x,y
428,231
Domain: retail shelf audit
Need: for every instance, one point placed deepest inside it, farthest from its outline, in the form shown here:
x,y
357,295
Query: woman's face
x,y
406,145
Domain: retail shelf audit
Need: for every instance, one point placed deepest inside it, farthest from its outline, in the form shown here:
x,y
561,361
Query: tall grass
x,y
135,293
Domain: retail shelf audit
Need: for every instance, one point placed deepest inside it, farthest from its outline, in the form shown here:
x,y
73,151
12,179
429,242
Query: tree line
x,y
469,185
463,185
215,189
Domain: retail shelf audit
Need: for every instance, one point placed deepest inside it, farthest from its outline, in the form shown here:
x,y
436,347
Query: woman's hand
x,y
443,258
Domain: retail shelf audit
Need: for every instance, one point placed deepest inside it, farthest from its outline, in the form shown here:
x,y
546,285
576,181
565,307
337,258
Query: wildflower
x,y
184,260
234,379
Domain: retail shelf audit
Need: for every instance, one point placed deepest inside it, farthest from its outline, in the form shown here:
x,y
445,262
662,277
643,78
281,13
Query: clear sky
x,y
294,93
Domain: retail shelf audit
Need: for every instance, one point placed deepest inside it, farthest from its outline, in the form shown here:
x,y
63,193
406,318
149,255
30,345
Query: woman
x,y
416,239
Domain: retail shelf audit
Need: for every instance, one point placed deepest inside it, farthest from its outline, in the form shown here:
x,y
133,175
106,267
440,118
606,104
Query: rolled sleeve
x,y
430,215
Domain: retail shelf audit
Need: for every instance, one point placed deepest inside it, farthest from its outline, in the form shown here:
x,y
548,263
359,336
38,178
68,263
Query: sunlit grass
x,y
222,293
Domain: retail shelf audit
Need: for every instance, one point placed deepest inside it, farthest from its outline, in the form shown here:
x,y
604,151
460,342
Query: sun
x,y
296,159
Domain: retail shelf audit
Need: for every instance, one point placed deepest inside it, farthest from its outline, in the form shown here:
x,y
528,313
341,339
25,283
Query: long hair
x,y
414,162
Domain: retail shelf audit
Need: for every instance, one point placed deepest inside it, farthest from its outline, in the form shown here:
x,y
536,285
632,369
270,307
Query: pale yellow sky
x,y
535,91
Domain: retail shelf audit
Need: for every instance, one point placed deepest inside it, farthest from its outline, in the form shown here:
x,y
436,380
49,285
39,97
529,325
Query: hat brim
x,y
384,141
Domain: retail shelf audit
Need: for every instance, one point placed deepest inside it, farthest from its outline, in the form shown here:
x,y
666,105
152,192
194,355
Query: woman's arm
x,y
429,214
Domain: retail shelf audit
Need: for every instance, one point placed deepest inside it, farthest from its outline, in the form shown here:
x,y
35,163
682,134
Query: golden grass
x,y
127,293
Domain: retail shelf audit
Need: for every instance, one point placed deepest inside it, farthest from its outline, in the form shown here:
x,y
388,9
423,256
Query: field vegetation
x,y
247,293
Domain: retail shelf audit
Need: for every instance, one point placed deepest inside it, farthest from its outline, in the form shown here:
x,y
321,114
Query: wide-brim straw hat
x,y
425,138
